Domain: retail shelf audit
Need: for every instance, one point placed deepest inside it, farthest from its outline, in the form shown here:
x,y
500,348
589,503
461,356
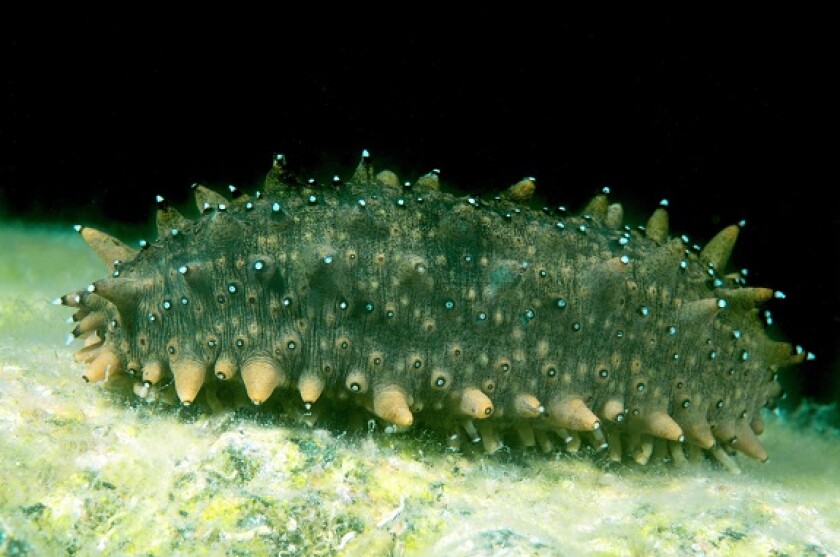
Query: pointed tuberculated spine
x,y
390,403
225,368
106,364
725,431
475,403
310,387
261,376
189,375
745,298
798,357
71,299
206,198
571,413
757,424
124,293
356,382
747,443
615,215
657,226
597,208
169,219
521,191
91,301
91,322
152,372
613,410
388,178
699,310
108,248
430,181
660,424
696,430
773,390
364,171
278,178
527,406
778,353
719,249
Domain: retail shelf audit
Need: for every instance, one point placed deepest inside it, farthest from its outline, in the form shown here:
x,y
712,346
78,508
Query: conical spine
x,y
719,249
108,248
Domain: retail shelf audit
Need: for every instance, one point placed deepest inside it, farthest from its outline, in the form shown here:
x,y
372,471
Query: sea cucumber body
x,y
477,316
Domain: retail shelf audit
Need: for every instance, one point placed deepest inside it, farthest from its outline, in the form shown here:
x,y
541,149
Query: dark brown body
x,y
479,316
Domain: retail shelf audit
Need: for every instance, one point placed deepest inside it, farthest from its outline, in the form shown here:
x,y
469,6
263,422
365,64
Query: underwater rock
x,y
483,318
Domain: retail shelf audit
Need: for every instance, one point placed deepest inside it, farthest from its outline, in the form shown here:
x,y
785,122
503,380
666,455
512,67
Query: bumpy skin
x,y
484,317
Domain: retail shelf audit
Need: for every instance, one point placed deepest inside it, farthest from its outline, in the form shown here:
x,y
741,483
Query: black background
x,y
728,116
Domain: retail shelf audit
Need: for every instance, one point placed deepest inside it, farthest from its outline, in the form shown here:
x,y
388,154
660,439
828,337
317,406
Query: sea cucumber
x,y
484,318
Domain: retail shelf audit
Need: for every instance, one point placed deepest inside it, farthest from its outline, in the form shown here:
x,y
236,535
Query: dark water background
x,y
726,115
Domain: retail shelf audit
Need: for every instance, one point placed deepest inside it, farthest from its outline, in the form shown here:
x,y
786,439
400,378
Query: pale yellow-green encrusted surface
x,y
83,472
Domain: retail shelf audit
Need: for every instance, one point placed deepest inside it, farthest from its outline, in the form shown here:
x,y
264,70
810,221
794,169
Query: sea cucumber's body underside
x,y
484,318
